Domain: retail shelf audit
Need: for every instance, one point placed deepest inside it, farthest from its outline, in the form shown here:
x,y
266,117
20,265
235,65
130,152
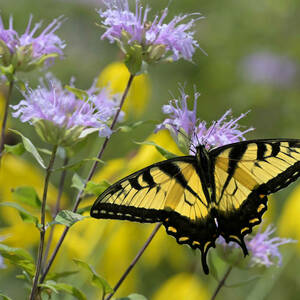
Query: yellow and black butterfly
x,y
218,192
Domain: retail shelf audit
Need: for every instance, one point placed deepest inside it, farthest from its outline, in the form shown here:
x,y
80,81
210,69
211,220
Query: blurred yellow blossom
x,y
182,286
116,76
2,105
289,222
15,172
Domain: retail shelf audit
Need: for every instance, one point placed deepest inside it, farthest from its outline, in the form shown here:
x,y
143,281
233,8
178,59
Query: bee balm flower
x,y
148,41
29,50
60,117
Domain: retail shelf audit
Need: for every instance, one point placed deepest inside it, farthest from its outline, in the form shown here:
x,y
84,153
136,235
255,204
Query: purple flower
x,y
180,116
262,248
102,99
30,50
61,117
183,121
221,132
269,68
157,39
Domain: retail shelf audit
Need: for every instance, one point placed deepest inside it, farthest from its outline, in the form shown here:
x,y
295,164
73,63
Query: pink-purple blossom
x,y
263,249
65,110
31,46
157,38
183,121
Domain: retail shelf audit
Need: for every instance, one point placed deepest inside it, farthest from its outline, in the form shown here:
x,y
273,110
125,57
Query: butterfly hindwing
x,y
169,192
245,173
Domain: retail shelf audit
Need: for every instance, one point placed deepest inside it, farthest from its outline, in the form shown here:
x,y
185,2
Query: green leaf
x,y
84,209
68,288
77,182
17,149
131,126
81,94
97,280
18,257
26,195
96,188
133,297
75,166
165,153
134,59
67,217
45,151
30,148
58,275
4,297
25,276
8,71
24,214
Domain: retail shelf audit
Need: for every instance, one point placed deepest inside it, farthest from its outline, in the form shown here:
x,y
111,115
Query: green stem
x,y
5,116
90,175
49,170
56,209
135,260
221,283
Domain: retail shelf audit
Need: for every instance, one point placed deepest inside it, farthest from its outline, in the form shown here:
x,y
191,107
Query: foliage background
x,y
231,31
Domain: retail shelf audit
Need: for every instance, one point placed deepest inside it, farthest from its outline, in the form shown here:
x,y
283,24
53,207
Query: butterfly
x,y
199,197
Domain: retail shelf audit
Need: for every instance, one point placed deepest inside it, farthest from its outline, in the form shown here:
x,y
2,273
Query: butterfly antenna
x,y
211,130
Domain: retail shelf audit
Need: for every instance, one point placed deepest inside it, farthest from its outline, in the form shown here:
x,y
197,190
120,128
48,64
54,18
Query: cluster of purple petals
x,y
180,118
262,247
221,132
102,99
64,109
175,36
47,42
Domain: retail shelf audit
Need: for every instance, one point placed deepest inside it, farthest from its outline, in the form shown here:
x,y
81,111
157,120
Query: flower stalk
x,y
4,121
135,260
222,282
57,208
90,175
49,170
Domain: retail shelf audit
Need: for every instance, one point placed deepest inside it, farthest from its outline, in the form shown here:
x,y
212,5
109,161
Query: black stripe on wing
x,y
280,156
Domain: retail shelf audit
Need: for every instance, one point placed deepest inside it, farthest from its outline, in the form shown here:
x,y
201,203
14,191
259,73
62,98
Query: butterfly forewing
x,y
245,173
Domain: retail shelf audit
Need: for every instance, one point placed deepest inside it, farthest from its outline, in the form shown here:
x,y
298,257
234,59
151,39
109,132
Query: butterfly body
x,y
198,198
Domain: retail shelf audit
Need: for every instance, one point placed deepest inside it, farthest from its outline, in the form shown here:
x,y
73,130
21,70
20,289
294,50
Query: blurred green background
x,y
253,64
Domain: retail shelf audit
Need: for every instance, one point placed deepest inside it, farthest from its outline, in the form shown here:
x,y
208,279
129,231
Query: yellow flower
x,y
182,286
116,76
2,106
289,222
15,172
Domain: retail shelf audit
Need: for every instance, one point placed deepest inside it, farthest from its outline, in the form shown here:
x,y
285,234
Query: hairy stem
x,y
221,283
90,175
135,260
33,293
4,121
57,208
